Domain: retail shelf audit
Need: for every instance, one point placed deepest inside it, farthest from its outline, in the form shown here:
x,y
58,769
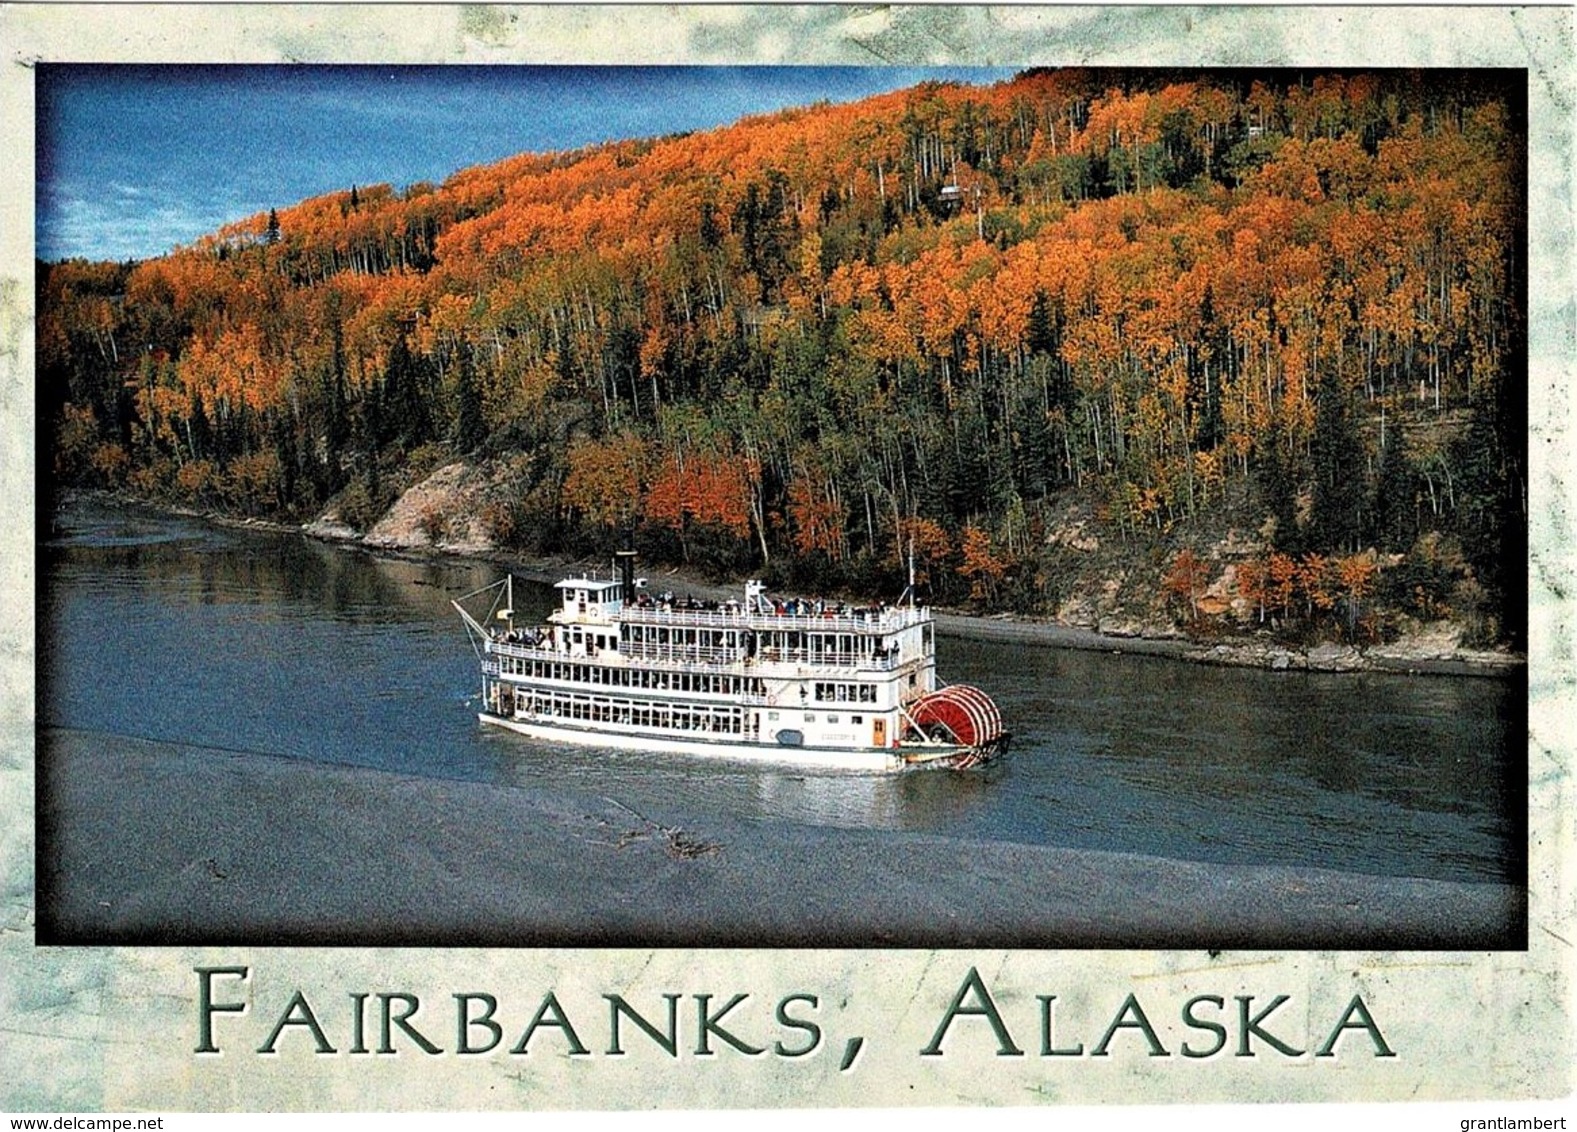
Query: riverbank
x,y
144,842
403,532
1418,656
1434,654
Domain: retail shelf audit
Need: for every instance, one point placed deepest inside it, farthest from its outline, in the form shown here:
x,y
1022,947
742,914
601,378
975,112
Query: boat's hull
x,y
859,759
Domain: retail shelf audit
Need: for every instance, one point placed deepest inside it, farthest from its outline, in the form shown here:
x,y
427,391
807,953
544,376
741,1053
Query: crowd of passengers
x,y
792,607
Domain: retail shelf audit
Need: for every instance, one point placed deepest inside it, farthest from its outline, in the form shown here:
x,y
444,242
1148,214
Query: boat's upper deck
x,y
610,601
596,637
805,616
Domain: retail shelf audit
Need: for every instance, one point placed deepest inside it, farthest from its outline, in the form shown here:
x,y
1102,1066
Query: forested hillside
x,y
1251,344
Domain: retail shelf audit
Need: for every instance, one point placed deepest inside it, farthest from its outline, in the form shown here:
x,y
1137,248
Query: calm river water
x,y
171,629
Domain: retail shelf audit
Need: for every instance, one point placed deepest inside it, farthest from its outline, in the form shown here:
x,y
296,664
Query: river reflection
x,y
171,629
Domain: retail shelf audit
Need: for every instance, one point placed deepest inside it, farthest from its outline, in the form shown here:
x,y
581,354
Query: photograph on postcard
x,y
706,506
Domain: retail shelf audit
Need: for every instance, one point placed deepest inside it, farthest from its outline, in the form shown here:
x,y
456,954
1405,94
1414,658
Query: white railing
x,y
529,652
884,620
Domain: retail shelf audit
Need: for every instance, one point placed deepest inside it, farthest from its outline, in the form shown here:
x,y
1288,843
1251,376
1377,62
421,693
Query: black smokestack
x,y
626,559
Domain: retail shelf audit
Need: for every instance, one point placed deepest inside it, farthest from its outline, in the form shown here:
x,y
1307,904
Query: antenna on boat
x,y
911,570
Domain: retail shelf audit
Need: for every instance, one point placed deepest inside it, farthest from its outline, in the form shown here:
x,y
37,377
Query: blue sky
x,y
133,160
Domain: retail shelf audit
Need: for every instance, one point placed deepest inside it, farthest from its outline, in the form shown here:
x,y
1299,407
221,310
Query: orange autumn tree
x,y
701,491
1185,580
816,514
1281,572
1356,574
1312,578
982,566
605,478
1252,580
927,544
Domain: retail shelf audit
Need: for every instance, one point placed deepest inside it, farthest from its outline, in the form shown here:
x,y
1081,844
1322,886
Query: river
x,y
177,631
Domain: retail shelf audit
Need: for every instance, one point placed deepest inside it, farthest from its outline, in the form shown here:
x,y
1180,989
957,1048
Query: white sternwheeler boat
x,y
784,681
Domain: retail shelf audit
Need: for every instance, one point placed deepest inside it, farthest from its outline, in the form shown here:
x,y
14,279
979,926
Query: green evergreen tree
x,y
406,400
1040,331
1393,515
1205,373
338,431
1336,520
1278,483
470,430
199,435
1490,520
711,231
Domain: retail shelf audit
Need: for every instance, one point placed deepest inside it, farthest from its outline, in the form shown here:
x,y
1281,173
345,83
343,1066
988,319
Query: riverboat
x,y
801,681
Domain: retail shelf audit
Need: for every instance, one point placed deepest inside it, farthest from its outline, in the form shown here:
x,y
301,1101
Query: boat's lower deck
x,y
766,722
733,747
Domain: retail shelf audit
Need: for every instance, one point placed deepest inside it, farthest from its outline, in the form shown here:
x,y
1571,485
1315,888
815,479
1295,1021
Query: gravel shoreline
x,y
157,843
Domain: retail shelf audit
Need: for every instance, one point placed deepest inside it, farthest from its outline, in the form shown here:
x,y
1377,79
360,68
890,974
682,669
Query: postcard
x,y
613,558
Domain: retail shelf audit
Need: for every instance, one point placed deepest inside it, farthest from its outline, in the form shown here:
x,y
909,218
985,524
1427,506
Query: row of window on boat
x,y
677,717
656,679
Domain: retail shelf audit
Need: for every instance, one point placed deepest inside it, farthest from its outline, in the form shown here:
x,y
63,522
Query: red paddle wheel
x,y
963,715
